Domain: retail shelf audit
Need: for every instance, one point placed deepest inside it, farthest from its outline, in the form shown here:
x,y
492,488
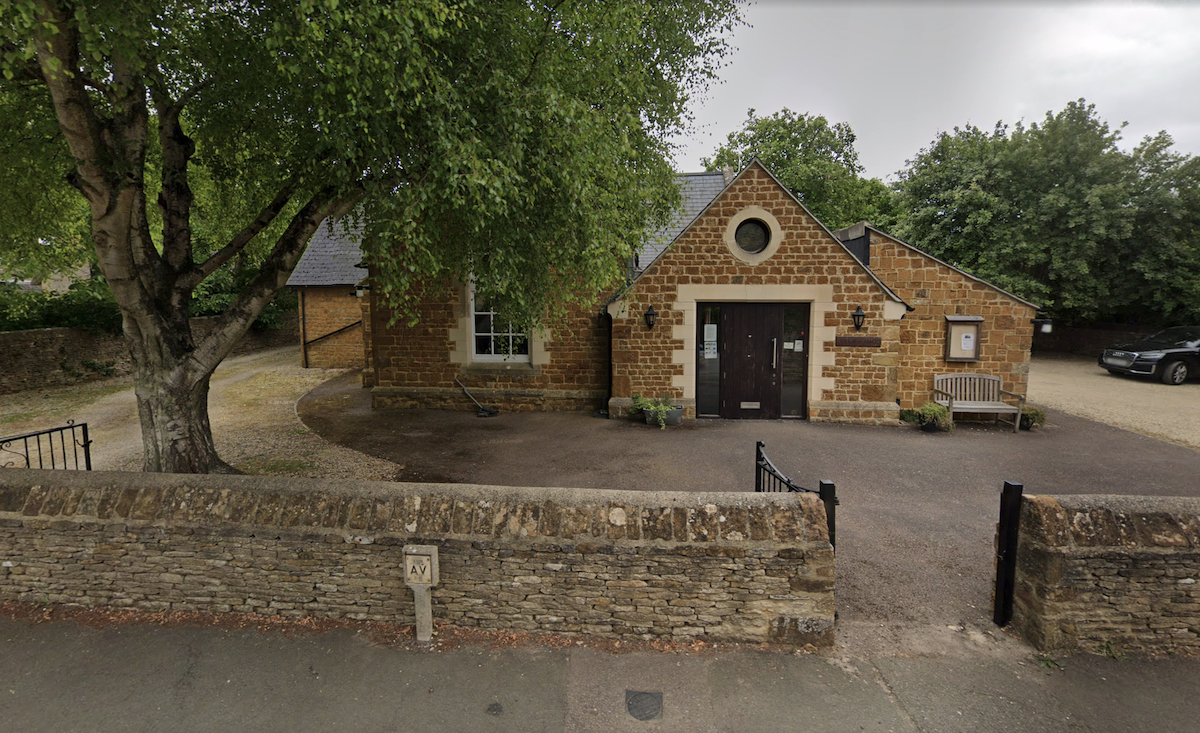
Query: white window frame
x,y
497,358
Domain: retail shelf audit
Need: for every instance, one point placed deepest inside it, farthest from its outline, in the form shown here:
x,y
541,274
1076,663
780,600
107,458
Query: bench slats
x,y
976,393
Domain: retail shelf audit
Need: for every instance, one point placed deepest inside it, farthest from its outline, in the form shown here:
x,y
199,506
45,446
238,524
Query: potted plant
x,y
660,411
1032,417
934,417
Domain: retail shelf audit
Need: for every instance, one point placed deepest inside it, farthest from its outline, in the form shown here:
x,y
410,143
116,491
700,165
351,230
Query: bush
x,y
88,304
1032,417
938,414
910,416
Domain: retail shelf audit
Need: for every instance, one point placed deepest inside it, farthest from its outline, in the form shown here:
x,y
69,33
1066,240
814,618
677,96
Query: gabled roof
x,y
698,190
331,257
959,270
701,208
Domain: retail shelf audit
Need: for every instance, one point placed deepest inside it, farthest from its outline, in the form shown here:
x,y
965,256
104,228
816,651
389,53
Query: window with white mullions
x,y
495,339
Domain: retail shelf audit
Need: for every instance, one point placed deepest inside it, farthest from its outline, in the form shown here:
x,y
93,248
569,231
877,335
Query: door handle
x,y
774,352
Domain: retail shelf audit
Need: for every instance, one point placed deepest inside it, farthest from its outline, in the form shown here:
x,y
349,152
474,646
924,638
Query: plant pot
x,y
930,426
674,416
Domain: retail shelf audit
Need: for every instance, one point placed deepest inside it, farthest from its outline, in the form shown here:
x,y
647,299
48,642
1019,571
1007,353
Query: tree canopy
x,y
816,161
1056,212
520,143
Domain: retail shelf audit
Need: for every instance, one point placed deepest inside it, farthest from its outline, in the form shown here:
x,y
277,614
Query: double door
x,y
752,360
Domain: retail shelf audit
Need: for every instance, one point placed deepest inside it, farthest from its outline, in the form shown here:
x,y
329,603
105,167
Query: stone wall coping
x,y
413,509
1111,520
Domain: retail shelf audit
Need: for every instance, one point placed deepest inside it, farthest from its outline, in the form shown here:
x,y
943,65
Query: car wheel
x,y
1175,373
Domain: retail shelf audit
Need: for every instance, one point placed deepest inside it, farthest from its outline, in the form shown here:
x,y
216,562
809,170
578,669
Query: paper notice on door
x,y
788,345
799,346
710,341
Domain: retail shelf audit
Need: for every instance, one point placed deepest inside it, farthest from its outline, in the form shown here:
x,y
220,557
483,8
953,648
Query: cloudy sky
x,y
900,71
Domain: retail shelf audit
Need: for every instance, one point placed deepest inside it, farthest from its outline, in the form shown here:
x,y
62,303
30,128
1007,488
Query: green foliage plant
x,y
86,304
1056,212
657,408
939,414
1032,417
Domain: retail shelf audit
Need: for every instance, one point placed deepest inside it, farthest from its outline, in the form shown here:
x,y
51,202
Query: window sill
x,y
517,368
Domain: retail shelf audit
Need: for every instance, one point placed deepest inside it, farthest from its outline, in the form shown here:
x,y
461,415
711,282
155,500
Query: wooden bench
x,y
978,393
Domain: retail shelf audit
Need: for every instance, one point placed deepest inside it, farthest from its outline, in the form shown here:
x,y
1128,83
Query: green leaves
x,y
1056,212
816,161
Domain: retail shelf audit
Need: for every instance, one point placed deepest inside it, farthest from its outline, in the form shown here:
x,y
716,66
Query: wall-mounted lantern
x,y
360,290
1044,325
651,317
859,318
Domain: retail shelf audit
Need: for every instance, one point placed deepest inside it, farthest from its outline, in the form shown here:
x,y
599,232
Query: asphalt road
x,y
60,677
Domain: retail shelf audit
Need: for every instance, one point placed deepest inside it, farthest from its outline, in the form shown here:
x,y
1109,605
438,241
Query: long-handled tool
x,y
484,410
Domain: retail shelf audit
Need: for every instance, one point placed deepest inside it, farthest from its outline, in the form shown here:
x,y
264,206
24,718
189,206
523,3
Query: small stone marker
x,y
421,574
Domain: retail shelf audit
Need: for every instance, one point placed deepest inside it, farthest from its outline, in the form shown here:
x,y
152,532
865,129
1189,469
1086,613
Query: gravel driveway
x,y
251,406
1077,385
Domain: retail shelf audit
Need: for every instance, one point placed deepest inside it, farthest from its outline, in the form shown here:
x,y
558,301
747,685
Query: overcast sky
x,y
899,72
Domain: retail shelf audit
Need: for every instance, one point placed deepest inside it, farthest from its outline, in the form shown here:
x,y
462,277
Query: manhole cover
x,y
644,705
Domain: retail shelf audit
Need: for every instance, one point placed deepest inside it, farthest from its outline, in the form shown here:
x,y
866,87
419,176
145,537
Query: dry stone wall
x,y
1115,573
744,567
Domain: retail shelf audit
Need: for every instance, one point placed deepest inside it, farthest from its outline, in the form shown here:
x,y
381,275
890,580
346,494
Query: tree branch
x,y
175,197
271,277
268,214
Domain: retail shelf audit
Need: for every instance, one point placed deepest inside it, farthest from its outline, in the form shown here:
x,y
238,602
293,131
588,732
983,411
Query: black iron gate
x,y
66,447
767,478
1006,552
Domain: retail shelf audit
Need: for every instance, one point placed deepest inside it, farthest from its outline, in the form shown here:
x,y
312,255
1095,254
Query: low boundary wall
x,y
740,567
1109,573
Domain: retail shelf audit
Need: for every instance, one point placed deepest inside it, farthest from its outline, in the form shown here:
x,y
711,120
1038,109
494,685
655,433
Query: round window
x,y
752,236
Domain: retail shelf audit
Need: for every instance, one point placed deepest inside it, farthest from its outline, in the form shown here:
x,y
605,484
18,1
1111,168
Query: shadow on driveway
x,y
917,514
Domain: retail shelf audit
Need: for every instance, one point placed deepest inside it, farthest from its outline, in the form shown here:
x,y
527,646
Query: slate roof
x,y
698,191
330,258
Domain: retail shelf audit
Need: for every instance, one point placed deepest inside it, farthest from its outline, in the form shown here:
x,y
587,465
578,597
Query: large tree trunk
x,y
176,433
172,398
106,128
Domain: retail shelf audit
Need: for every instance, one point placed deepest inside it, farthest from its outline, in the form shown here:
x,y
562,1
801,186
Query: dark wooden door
x,y
750,344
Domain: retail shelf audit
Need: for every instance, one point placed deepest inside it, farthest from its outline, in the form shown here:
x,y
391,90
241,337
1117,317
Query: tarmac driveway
x,y
917,515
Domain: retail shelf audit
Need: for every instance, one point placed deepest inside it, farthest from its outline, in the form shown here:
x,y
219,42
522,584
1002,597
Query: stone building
x,y
331,318
745,307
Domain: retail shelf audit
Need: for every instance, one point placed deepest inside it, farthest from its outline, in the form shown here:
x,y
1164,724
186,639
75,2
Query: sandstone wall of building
x,y
1109,573
936,290
847,383
55,357
331,332
416,365
676,565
